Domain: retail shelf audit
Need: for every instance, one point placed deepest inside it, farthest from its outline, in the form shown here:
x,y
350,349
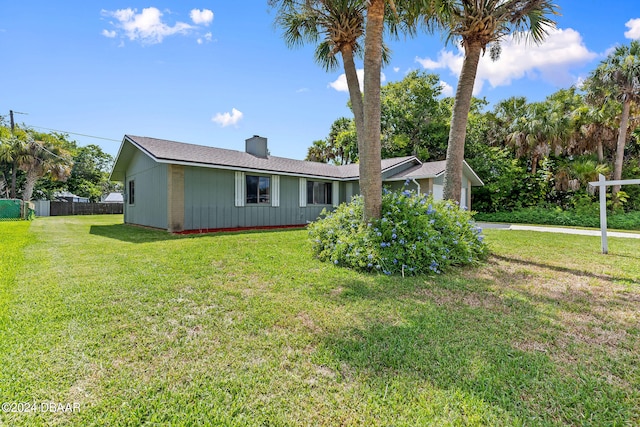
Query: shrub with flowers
x,y
416,235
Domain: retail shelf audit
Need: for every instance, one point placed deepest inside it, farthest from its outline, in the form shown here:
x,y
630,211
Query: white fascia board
x,y
412,178
473,174
124,140
250,170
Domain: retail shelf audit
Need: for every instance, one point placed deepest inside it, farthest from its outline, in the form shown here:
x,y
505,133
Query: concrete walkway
x,y
556,230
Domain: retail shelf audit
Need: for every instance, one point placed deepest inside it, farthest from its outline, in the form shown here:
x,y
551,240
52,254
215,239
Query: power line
x,y
75,133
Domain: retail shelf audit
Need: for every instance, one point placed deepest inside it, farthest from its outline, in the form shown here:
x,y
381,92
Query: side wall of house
x,y
149,205
209,202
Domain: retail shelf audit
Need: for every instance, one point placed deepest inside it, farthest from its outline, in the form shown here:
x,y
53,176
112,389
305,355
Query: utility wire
x,y
75,133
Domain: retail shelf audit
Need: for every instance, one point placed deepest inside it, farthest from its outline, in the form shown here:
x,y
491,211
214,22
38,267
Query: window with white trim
x,y
319,193
258,189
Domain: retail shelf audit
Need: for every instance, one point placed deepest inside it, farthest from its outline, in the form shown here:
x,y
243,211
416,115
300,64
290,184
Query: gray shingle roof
x,y
432,170
425,170
199,155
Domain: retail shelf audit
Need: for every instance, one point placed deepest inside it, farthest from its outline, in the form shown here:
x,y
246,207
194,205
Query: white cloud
x,y
207,38
227,119
634,29
201,17
551,61
396,69
147,26
109,34
340,84
447,89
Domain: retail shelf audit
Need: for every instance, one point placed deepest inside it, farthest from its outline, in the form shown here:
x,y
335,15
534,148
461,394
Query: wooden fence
x,y
75,208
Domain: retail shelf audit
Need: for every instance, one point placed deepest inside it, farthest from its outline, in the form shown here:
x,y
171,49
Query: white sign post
x,y
602,185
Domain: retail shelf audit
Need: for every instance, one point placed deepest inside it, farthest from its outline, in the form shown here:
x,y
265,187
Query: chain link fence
x,y
15,210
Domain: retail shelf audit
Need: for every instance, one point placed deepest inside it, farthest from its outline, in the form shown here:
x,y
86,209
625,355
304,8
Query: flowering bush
x,y
416,235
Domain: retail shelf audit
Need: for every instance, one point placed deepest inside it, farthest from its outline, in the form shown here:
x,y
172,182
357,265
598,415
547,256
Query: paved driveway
x,y
556,230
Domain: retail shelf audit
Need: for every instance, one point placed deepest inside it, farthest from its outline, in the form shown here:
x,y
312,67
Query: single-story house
x,y
66,196
181,187
113,197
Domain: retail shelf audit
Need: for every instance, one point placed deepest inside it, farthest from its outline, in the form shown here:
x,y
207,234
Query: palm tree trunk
x,y
600,151
458,131
30,183
370,158
354,92
622,139
534,164
14,178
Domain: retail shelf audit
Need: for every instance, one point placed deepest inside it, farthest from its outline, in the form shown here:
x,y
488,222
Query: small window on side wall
x,y
132,192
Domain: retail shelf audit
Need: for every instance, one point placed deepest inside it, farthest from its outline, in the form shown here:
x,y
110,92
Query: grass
x,y
140,327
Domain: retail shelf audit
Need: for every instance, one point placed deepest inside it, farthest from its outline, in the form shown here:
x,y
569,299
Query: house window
x,y
132,188
258,189
318,193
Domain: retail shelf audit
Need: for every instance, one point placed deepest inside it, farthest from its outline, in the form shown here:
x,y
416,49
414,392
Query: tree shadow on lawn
x,y
569,270
457,335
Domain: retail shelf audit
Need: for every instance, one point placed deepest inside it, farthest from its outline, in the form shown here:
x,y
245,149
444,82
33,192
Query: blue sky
x,y
217,72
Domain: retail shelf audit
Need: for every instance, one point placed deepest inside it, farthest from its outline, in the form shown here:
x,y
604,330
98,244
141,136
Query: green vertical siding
x,y
150,207
209,201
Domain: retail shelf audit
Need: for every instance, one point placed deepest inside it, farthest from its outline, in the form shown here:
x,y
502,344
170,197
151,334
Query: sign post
x,y
602,187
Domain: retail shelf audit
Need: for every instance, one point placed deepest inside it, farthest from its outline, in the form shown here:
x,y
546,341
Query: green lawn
x,y
139,327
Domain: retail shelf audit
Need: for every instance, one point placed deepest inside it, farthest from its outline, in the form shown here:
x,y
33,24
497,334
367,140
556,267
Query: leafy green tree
x,y
618,77
412,119
482,24
344,141
340,147
90,173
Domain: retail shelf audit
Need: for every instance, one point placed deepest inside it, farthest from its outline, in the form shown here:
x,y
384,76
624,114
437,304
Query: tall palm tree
x,y
371,148
618,77
338,25
479,24
534,134
597,128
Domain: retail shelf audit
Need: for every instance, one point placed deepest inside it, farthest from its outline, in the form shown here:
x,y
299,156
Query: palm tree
x,y
618,77
13,153
43,157
340,25
320,151
480,24
343,22
371,150
587,170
